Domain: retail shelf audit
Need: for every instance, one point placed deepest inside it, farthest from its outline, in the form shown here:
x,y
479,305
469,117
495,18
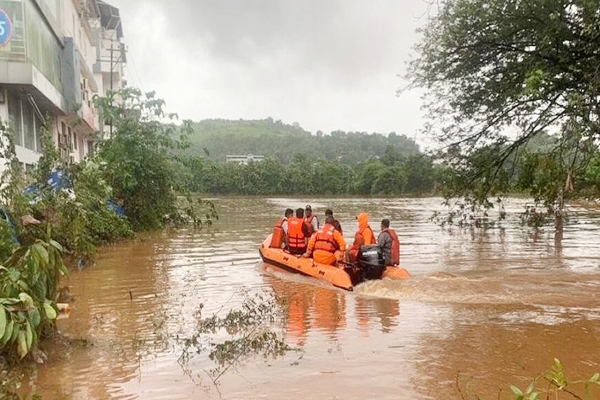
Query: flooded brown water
x,y
491,308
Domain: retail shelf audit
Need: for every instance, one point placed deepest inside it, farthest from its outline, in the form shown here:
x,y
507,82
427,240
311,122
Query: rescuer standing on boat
x,y
328,245
389,243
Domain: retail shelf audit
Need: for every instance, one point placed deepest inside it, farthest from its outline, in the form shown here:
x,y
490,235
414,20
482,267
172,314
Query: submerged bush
x,y
239,335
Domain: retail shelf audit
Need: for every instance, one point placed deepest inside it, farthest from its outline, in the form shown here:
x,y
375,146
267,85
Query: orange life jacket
x,y
309,223
395,251
295,235
365,236
278,234
325,240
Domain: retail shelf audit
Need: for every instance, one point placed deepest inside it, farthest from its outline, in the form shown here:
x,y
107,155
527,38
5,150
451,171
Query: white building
x,y
244,159
51,67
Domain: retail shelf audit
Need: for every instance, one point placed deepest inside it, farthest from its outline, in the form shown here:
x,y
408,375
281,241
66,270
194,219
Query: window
x,y
28,126
24,122
39,127
90,145
62,139
70,139
15,118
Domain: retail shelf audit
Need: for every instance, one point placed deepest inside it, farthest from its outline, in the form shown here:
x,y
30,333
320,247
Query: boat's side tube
x,y
396,273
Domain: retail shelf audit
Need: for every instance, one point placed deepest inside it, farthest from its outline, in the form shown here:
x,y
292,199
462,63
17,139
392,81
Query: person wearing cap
x,y
364,235
327,246
311,219
336,223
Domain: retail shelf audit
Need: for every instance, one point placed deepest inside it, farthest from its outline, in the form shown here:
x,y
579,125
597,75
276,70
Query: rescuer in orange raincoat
x,y
363,236
327,246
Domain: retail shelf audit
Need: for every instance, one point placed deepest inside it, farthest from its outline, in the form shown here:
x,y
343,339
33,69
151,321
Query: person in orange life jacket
x,y
312,220
389,243
298,233
327,246
278,239
336,223
364,236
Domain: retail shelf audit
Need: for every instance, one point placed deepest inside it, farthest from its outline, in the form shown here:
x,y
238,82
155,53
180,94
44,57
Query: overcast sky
x,y
326,64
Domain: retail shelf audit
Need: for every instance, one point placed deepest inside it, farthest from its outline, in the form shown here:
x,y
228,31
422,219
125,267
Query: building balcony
x,y
31,57
88,115
29,79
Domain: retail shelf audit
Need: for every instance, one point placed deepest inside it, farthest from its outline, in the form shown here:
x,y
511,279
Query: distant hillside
x,y
278,140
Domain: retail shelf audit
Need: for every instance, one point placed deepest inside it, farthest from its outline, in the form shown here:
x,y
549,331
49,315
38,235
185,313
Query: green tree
x,y
390,180
137,158
420,174
501,72
368,175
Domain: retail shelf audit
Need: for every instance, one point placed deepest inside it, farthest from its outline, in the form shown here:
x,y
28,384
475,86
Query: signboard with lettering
x,y
6,28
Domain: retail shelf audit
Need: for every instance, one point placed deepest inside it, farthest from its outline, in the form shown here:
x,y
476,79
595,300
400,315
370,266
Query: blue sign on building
x,y
5,28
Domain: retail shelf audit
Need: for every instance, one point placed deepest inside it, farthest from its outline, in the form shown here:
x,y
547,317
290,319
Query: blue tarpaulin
x,y
59,180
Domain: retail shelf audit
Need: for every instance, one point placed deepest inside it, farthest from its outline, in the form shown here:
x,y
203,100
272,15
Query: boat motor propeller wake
x,y
370,264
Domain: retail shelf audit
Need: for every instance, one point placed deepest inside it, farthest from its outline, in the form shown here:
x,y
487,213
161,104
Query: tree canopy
x,y
499,73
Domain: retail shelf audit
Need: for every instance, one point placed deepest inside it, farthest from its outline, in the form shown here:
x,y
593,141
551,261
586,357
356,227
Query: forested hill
x,y
275,139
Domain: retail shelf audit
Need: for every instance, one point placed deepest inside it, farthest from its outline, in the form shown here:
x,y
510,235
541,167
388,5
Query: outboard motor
x,y
371,261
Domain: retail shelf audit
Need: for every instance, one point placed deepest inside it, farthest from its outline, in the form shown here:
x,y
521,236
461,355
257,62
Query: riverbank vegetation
x,y
307,175
547,167
298,162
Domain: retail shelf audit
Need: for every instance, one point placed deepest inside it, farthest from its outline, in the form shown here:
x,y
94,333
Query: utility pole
x,y
111,84
113,63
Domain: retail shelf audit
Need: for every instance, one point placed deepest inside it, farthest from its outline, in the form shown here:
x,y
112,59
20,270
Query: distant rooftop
x,y
244,159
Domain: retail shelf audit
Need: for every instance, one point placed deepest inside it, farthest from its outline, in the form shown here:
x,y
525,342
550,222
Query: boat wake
x,y
514,289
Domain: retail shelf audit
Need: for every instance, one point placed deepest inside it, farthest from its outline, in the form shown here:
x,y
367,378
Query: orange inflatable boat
x,y
369,266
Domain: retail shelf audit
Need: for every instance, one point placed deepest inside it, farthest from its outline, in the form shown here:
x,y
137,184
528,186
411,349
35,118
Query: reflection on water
x,y
492,307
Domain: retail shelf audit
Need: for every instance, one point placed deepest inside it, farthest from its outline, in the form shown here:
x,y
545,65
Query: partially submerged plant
x,y
249,333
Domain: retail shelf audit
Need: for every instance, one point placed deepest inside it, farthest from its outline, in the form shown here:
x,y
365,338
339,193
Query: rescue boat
x,y
370,266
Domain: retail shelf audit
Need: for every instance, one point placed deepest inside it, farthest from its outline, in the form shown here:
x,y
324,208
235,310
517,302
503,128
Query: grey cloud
x,y
328,64
347,39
